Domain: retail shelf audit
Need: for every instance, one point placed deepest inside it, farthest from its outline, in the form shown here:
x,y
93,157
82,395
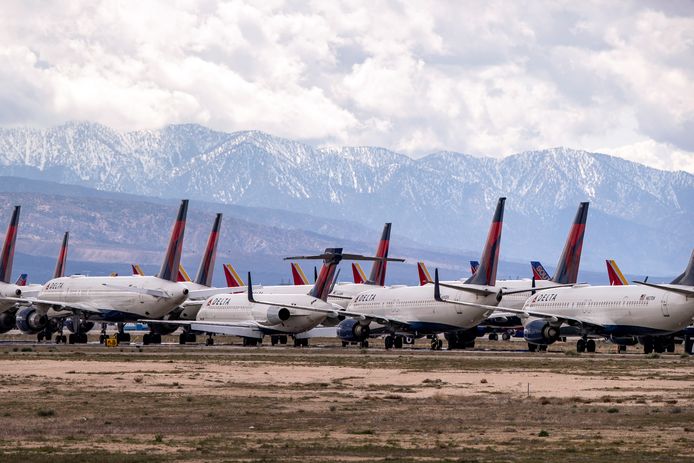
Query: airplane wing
x,y
58,306
134,289
245,330
679,290
209,292
318,332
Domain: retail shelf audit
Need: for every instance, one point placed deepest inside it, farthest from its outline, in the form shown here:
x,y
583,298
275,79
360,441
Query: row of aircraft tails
x,y
545,309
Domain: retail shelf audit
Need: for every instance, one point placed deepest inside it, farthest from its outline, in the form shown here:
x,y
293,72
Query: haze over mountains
x,y
640,216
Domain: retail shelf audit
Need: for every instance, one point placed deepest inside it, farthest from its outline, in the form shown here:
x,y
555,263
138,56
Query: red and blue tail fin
x,y
539,272
7,257
22,280
182,274
204,276
298,275
567,268
172,259
474,266
61,262
358,274
378,270
233,278
321,288
615,274
424,276
486,273
137,270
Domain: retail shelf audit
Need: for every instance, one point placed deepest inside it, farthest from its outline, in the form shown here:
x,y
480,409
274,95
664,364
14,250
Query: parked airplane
x,y
298,275
233,279
615,274
539,272
411,311
110,299
358,275
279,315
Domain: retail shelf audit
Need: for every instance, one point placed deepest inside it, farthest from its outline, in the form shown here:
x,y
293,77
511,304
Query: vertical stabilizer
x,y
539,272
615,274
567,268
22,280
60,263
424,276
378,270
298,276
358,274
7,257
233,278
474,266
172,258
687,278
137,270
321,288
204,276
182,274
486,273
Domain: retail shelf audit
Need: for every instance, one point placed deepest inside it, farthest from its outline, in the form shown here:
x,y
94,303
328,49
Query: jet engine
x,y
11,291
30,321
166,329
351,330
277,315
540,332
8,321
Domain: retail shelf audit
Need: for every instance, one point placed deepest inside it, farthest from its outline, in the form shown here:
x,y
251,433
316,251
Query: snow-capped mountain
x,y
641,216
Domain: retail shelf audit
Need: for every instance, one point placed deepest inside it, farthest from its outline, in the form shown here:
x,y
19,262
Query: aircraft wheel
x,y
40,336
123,338
389,342
688,344
439,344
146,339
647,346
532,347
542,348
590,345
493,337
345,344
621,349
274,340
82,338
398,342
210,341
581,345
283,339
182,338
505,336
364,344
71,338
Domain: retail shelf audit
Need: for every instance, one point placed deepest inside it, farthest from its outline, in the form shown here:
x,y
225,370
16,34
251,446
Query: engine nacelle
x,y
8,321
11,291
85,325
31,321
166,329
351,330
277,315
541,332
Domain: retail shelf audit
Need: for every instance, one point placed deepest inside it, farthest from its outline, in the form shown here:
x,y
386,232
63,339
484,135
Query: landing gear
x,y
688,344
151,338
581,345
621,349
505,336
464,339
345,344
60,338
364,344
647,345
542,348
77,338
122,337
590,345
210,340
278,339
389,342
658,345
187,336
103,336
436,344
301,342
670,347
493,337
398,342
532,347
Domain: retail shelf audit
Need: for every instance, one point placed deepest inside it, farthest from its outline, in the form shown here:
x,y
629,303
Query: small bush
x,y
27,349
484,381
138,379
612,410
543,433
45,412
158,438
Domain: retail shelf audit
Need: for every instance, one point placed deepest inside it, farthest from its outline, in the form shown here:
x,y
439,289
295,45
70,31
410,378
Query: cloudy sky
x,y
485,78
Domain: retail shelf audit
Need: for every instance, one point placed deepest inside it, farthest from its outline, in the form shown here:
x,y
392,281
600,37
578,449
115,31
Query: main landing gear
x,y
187,336
60,337
585,345
537,347
278,339
122,336
303,342
688,344
393,342
436,343
210,340
151,338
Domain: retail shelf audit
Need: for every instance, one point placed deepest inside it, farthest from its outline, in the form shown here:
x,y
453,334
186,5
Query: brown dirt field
x,y
228,403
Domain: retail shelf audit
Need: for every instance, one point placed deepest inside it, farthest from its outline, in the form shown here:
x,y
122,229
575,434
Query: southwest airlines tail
x,y
204,276
486,273
614,274
22,280
233,278
137,270
358,274
474,266
567,268
378,270
321,288
172,258
423,272
539,272
7,256
182,274
298,275
62,257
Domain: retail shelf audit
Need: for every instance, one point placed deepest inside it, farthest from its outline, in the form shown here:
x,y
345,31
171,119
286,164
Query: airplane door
x,y
663,305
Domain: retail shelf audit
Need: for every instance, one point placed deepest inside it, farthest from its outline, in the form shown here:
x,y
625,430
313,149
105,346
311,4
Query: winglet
x,y
298,275
250,289
437,287
172,258
615,274
424,276
358,274
233,278
62,257
7,257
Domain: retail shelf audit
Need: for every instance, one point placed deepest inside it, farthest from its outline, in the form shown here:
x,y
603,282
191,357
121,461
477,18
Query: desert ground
x,y
327,403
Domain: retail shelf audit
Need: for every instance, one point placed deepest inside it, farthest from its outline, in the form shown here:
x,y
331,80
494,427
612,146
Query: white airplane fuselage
x,y
236,308
111,297
622,310
415,305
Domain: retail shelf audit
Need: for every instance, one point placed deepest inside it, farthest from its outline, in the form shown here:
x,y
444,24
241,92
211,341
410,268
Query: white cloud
x,y
480,77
